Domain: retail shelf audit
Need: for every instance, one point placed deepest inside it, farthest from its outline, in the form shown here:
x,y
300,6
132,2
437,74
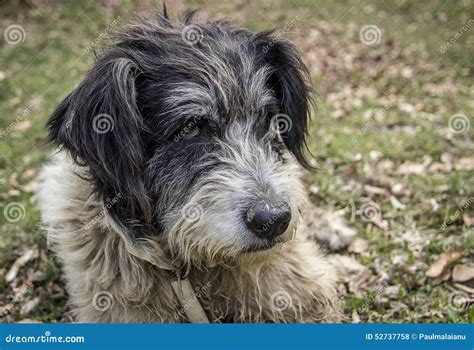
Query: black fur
x,y
142,158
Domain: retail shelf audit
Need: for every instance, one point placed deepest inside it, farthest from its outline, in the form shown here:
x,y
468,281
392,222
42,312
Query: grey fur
x,y
180,195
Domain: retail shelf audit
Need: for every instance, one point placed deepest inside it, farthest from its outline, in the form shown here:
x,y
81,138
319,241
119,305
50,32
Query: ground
x,y
391,139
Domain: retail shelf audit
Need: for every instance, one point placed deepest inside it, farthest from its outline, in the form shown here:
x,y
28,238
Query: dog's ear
x,y
290,81
100,125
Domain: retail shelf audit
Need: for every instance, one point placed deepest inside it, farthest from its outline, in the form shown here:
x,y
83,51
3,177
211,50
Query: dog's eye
x,y
189,133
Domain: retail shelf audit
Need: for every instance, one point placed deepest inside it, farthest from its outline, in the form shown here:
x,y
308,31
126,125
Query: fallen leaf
x,y
392,291
464,288
355,317
411,168
29,320
346,265
22,126
29,306
396,203
438,167
376,190
465,163
463,273
441,263
30,254
358,245
445,276
414,168
468,219
314,189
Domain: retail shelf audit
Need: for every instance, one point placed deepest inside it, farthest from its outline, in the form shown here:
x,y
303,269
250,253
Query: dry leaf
x,y
463,273
376,190
414,168
396,203
465,163
22,126
444,260
358,245
29,320
355,317
468,219
30,254
464,288
346,265
445,276
29,306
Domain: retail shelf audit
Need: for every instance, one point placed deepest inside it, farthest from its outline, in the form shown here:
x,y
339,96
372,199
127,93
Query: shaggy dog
x,y
175,195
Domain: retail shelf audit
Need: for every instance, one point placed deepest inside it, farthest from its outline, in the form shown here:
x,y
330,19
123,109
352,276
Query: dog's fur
x,y
190,146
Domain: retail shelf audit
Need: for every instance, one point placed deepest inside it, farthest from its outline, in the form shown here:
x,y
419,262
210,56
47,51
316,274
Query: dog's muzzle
x,y
268,219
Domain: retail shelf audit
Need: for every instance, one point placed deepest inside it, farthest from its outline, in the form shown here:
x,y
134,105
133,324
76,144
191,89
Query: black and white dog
x,y
178,167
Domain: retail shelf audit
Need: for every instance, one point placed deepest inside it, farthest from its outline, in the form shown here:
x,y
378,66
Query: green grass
x,y
54,56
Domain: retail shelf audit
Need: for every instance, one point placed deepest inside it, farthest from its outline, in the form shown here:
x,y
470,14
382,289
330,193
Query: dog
x,y
175,192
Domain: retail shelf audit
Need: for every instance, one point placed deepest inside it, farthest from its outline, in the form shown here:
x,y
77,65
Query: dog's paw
x,y
328,228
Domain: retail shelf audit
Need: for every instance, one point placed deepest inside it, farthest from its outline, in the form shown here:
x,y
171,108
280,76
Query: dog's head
x,y
196,126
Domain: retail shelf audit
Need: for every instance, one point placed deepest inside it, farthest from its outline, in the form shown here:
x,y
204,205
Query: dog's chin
x,y
263,246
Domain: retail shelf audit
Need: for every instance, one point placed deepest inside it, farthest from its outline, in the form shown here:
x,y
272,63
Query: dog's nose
x,y
268,220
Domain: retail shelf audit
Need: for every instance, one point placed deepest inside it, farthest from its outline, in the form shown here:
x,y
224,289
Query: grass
x,y
405,78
